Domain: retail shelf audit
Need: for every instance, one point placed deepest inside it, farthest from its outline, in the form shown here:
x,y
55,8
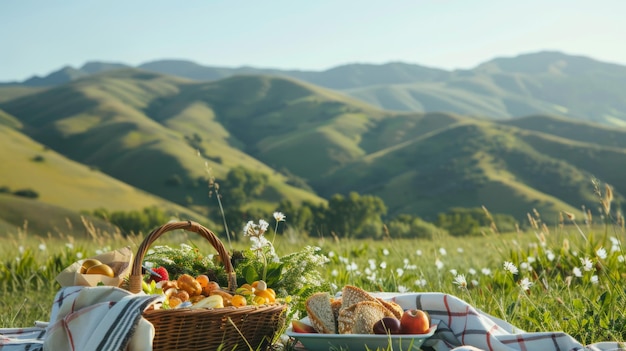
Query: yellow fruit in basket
x,y
174,301
203,279
88,263
238,301
213,301
102,268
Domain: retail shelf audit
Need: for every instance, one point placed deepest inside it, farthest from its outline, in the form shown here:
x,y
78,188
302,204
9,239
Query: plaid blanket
x,y
462,327
88,318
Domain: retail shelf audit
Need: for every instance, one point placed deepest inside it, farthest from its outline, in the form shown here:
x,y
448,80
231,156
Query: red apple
x,y
415,322
387,325
300,327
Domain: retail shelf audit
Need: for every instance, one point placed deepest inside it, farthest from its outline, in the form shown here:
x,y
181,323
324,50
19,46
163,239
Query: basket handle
x,y
136,277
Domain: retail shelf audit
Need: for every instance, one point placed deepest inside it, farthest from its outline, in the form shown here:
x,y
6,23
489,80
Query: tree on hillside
x,y
241,185
355,216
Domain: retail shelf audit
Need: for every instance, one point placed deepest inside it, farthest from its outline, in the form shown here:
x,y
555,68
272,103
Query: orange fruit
x,y
238,301
102,268
203,279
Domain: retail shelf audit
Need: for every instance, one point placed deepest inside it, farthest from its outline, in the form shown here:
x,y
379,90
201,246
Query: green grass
x,y
587,307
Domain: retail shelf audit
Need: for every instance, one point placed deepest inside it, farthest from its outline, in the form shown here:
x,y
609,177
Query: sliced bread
x,y
361,317
318,307
351,295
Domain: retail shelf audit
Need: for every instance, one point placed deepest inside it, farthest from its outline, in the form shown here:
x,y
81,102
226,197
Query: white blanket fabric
x,y
461,327
99,318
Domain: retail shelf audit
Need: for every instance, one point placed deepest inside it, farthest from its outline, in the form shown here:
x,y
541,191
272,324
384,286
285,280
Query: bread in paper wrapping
x,y
119,260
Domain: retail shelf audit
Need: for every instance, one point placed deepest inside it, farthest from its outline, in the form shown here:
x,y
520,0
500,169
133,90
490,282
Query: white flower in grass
x,y
509,266
42,247
421,282
550,255
385,252
620,258
460,281
471,271
486,271
20,249
443,251
399,272
279,216
594,279
531,259
438,264
459,250
69,245
79,255
258,242
525,284
402,289
525,266
352,267
418,252
334,273
453,271
383,265
372,263
577,272
474,282
587,264
601,253
263,225
331,254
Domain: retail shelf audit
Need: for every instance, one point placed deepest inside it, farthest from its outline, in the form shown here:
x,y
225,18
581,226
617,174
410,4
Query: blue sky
x,y
41,36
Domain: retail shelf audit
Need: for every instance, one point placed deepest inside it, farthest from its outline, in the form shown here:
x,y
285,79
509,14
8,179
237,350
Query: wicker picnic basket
x,y
245,328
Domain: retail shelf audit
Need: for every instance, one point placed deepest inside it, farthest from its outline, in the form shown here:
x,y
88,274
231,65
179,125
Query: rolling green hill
x,y
544,82
136,126
145,129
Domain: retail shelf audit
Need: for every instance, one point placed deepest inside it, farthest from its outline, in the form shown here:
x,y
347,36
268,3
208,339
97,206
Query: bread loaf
x,y
318,307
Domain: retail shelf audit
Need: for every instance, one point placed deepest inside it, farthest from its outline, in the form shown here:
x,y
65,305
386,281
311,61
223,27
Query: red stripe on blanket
x,y
445,302
488,336
520,342
69,335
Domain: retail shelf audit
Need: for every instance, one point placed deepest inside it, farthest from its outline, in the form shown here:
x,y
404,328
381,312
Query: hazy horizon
x,y
447,34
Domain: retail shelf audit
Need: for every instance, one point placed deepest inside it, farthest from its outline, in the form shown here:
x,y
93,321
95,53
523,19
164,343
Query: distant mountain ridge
x,y
147,129
546,82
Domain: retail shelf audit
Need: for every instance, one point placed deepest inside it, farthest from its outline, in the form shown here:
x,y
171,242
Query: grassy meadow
x,y
563,278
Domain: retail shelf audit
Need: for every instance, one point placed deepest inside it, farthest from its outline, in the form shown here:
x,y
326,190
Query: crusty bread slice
x,y
393,307
318,307
351,295
335,304
361,317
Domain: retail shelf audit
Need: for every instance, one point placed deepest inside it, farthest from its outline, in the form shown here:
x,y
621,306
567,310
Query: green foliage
x,y
242,185
355,216
134,221
407,226
28,193
471,221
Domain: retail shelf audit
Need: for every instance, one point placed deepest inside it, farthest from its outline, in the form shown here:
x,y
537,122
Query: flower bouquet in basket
x,y
191,279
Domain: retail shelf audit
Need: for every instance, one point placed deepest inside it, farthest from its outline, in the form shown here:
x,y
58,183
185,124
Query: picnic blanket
x,y
82,318
462,327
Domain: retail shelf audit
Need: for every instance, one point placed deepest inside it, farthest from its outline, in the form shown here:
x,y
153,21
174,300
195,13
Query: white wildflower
x,y
601,253
460,281
577,272
509,266
525,284
587,264
279,216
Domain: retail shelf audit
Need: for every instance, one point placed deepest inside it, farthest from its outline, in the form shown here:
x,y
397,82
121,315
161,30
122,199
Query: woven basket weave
x,y
231,328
